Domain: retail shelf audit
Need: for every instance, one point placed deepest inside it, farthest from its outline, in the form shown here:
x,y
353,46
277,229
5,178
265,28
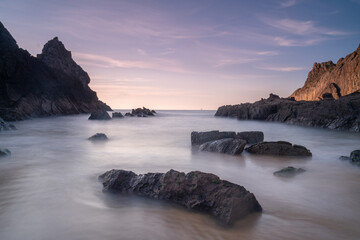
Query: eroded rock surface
x,y
280,148
228,145
196,190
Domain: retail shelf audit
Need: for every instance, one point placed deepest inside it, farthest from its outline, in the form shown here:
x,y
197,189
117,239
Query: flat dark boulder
x,y
100,115
227,145
280,148
196,190
289,172
98,137
251,137
198,138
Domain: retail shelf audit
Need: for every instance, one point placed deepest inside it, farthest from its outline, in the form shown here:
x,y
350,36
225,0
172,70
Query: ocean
x,y
49,187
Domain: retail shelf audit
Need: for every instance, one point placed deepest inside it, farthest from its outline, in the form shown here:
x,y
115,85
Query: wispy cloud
x,y
234,61
282,69
108,62
301,27
288,3
267,53
141,51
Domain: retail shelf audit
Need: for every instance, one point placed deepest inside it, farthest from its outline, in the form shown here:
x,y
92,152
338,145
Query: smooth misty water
x,y
49,187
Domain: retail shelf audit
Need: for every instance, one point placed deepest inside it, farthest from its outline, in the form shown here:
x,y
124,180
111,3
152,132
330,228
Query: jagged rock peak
x,y
6,40
329,80
55,55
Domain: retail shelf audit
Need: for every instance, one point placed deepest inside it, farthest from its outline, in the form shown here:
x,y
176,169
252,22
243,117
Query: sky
x,y
189,54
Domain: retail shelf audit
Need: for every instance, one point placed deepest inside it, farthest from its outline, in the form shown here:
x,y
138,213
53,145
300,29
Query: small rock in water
x,y
4,152
289,172
117,115
98,137
5,126
354,157
280,148
227,145
196,190
100,115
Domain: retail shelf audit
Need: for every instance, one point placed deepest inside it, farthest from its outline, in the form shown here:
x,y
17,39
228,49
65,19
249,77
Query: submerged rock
x,y
251,137
227,145
4,152
280,148
100,115
117,115
198,138
5,126
289,172
98,137
196,190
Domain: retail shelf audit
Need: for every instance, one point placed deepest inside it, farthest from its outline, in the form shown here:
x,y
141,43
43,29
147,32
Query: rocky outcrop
x,y
98,137
329,80
141,112
289,172
4,152
228,145
341,114
196,190
280,148
51,84
4,126
100,115
117,115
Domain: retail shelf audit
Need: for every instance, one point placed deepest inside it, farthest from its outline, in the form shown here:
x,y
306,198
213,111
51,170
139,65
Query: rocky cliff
x,y
49,84
329,80
341,114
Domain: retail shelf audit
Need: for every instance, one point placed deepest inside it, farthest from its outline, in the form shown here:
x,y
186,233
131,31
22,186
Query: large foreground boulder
x,y
205,192
100,115
227,145
280,148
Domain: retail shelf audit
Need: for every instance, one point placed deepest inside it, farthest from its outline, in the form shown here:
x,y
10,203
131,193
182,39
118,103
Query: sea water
x,y
49,187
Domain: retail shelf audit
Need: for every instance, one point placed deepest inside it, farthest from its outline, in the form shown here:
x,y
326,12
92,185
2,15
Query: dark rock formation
x,y
280,148
196,190
354,157
51,84
129,114
142,112
331,80
100,115
117,115
289,172
198,138
4,126
341,114
98,137
4,152
227,145
251,137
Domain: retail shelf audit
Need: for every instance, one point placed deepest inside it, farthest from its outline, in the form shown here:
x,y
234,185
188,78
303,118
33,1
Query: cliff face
x,y
51,84
329,80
